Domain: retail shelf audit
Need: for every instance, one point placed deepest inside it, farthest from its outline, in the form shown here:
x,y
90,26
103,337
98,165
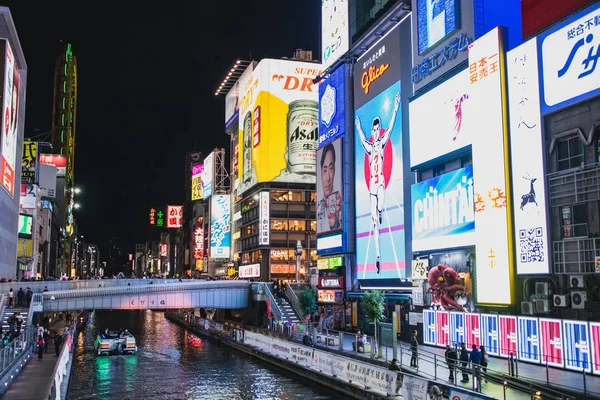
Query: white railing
x,y
274,306
574,186
575,256
60,369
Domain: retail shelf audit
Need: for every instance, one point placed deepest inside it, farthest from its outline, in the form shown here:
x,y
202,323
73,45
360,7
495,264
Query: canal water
x,y
173,363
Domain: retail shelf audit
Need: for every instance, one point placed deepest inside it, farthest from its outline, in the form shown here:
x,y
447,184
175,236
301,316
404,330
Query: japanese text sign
x,y
174,216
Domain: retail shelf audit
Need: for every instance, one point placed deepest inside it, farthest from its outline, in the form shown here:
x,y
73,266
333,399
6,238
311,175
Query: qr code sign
x,y
531,242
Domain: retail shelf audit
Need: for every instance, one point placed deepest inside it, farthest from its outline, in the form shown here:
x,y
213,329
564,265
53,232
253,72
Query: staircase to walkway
x,y
8,311
287,312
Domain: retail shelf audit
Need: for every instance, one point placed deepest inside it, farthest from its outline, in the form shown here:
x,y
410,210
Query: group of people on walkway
x,y
474,362
43,341
23,297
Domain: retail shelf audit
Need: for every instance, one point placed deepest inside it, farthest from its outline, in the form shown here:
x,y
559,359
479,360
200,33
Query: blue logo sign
x,y
443,206
447,53
332,93
436,19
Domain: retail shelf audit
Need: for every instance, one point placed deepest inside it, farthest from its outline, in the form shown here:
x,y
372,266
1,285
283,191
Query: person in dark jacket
x,y
307,340
484,360
475,359
20,297
451,360
58,341
29,295
394,365
46,340
414,349
464,358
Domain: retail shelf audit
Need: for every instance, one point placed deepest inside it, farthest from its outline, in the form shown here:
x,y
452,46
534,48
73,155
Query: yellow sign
x,y
231,271
197,187
25,248
200,265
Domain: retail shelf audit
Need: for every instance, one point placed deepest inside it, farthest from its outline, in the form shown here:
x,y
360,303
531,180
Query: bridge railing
x,y
149,288
273,303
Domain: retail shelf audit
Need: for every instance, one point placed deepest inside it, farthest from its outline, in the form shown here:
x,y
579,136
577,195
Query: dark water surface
x,y
173,363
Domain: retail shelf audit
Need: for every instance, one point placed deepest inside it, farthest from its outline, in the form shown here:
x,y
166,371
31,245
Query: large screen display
x,y
577,345
436,19
443,211
332,106
9,73
528,339
329,188
279,124
551,342
25,224
380,250
527,160
220,224
335,36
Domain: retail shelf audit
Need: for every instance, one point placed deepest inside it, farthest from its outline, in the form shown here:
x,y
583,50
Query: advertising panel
x,y
330,296
197,173
595,341
264,231
24,248
47,180
29,162
332,106
472,330
164,250
29,196
508,335
199,243
207,176
232,99
442,31
329,188
380,252
551,346
331,244
279,124
442,328
538,14
527,148
174,216
55,160
528,335
10,109
490,333
335,35
419,268
157,217
220,224
429,331
249,271
414,388
568,60
457,328
444,211
331,282
492,201
577,345
25,224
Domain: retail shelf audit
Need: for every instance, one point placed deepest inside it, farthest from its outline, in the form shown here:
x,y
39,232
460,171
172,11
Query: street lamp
x,y
76,206
77,190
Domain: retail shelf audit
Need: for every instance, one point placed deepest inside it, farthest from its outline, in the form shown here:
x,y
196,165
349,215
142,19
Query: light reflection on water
x,y
173,363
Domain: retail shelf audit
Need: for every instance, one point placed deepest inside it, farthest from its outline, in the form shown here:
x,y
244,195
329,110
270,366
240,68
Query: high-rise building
x,y
64,116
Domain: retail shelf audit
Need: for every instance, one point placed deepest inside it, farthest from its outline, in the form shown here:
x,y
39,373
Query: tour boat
x,y
115,342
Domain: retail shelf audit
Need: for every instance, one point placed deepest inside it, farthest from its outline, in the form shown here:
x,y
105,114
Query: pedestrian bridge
x,y
160,296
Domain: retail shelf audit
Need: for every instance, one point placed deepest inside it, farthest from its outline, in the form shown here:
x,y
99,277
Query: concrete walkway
x,y
35,382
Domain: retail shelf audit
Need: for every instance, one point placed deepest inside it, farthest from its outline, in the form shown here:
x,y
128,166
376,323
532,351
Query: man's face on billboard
x,y
328,173
376,129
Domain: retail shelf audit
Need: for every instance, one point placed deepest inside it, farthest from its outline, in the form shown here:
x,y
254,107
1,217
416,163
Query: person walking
x,y
451,360
58,341
307,340
20,297
414,349
40,344
46,339
29,295
395,367
464,358
11,298
475,359
484,362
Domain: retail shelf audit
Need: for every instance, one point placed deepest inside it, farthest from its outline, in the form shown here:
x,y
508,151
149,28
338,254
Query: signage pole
x,y
298,255
395,334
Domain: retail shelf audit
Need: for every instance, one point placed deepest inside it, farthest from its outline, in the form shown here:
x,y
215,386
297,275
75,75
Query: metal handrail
x,y
150,288
3,301
274,306
294,301
10,354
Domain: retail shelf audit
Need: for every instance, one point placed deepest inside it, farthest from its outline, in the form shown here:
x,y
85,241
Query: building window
x,y
570,153
313,197
296,225
279,224
439,170
574,221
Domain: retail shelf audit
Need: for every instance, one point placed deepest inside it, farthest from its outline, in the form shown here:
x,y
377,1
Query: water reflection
x,y
173,364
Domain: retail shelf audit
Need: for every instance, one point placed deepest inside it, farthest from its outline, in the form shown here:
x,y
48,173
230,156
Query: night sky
x,y
147,74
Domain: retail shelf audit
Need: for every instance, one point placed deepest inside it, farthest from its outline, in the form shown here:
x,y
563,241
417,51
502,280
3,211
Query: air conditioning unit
x,y
578,299
527,308
561,300
576,281
541,306
541,288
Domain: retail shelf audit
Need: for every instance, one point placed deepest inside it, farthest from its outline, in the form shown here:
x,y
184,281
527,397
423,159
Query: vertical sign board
x,y
595,341
577,345
207,176
507,327
528,339
527,160
335,35
264,231
551,343
569,58
429,332
492,201
174,216
472,330
457,328
442,328
332,106
9,117
490,333
220,223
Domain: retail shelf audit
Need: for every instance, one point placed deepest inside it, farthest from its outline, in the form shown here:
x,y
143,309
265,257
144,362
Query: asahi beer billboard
x,y
278,124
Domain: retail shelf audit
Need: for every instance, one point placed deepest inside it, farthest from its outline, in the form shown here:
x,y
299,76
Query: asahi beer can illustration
x,y
303,133
247,163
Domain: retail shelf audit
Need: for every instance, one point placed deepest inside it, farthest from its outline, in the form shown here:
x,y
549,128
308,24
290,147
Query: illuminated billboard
x,y
197,172
444,211
164,250
332,106
335,36
174,216
527,160
25,224
10,109
264,231
380,252
436,19
568,54
29,162
329,188
220,227
55,160
207,176
232,98
199,243
278,124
